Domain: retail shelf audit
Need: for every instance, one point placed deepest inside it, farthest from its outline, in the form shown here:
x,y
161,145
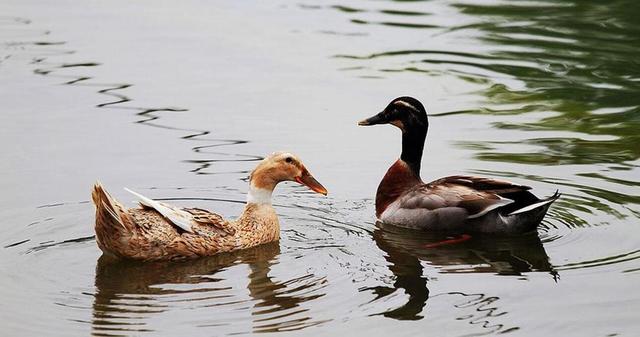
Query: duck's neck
x,y
412,147
259,196
258,212
404,174
259,220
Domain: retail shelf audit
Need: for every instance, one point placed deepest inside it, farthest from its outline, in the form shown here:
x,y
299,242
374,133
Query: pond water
x,y
178,100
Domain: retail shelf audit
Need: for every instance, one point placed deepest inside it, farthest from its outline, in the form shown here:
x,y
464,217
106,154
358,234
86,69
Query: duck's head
x,y
283,166
406,113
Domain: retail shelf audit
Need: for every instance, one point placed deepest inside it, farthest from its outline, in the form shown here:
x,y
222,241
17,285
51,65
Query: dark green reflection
x,y
578,59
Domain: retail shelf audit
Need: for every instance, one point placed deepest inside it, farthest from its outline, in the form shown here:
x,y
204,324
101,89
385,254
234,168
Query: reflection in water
x,y
573,63
579,63
485,312
407,249
503,255
584,70
129,294
408,273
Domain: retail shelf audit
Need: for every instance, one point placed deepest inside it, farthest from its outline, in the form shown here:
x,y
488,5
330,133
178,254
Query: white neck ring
x,y
259,195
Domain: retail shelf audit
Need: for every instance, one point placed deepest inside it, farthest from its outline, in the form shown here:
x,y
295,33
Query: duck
x,y
462,203
159,231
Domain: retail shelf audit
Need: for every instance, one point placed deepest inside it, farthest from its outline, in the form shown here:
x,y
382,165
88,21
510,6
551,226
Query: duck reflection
x,y
406,251
128,294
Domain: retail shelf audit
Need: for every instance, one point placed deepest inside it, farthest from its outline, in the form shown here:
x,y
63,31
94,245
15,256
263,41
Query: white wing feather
x,y
177,216
502,202
532,206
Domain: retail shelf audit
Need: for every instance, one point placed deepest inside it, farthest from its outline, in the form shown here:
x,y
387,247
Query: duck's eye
x,y
289,160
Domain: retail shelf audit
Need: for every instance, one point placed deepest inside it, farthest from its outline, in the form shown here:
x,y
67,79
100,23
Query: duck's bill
x,y
377,119
311,182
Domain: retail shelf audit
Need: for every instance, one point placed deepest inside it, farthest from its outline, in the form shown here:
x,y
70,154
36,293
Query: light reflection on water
x,y
554,92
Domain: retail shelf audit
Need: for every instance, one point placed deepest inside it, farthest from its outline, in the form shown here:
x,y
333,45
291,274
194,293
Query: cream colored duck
x,y
158,231
461,203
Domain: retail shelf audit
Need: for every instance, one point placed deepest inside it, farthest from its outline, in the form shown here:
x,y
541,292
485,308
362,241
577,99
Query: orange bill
x,y
308,180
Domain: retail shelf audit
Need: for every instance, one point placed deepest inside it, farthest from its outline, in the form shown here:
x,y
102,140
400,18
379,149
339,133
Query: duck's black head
x,y
407,113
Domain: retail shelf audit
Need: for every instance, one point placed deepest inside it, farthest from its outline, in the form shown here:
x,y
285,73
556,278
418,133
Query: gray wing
x,y
448,202
495,186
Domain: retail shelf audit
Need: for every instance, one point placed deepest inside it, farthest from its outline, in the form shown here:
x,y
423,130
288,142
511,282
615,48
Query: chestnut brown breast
x,y
398,179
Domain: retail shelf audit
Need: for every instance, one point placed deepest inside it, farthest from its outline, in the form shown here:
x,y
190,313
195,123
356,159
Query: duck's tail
x,y
112,222
527,217
541,205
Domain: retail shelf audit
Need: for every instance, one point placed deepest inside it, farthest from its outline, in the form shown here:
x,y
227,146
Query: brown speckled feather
x,y
214,220
144,234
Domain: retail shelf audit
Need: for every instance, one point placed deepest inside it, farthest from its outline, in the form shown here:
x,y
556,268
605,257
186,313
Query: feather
x,y
538,204
111,212
481,184
177,216
490,207
205,217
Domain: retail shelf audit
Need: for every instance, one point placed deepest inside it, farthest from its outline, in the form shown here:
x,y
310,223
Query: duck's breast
x,y
398,180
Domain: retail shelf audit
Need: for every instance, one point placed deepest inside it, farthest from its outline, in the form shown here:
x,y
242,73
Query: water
x,y
179,100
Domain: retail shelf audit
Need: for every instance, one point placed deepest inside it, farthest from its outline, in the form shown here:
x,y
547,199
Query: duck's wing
x,y
476,196
440,207
177,216
452,195
204,217
449,202
480,195
495,186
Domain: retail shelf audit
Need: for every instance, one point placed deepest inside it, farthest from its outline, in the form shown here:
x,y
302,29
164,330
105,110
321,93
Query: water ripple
x,y
42,52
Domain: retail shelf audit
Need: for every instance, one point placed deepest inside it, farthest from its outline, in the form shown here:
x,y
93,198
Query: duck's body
x,y
461,203
145,234
157,231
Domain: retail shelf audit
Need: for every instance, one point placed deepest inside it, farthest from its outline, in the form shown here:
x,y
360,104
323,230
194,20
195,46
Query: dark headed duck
x,y
461,203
